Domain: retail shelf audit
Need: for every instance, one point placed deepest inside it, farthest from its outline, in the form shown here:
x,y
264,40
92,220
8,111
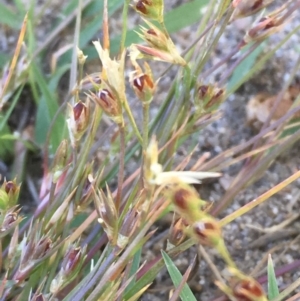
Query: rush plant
x,y
94,217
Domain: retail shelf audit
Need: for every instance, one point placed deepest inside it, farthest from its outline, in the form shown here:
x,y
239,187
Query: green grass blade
x,y
13,103
6,142
4,58
134,268
186,293
260,62
244,67
273,290
47,107
174,20
9,17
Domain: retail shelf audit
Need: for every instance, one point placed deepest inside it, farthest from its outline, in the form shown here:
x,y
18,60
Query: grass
x,y
92,221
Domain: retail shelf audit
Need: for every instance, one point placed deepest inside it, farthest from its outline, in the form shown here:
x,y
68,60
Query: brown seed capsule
x,y
142,82
140,6
42,247
202,91
181,197
78,109
207,231
10,187
248,290
71,260
177,234
245,8
108,102
9,219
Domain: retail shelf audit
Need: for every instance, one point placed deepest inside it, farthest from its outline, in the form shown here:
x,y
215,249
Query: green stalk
x,y
132,121
146,107
124,28
121,167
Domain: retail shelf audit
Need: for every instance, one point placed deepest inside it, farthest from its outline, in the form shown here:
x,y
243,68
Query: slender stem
x,y
146,106
106,41
227,74
145,125
121,167
74,64
288,290
241,211
124,29
14,60
104,266
132,121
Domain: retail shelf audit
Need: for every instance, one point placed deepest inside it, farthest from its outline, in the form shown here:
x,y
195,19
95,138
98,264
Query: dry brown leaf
x,y
260,106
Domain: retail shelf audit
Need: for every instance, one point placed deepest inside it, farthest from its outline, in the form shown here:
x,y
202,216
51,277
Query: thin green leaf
x,y
6,144
273,290
134,268
150,275
186,293
4,118
244,67
9,17
262,60
174,20
47,107
4,58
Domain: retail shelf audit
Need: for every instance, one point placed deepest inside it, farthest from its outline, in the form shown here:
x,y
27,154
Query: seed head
x,y
267,26
244,8
177,232
78,120
150,9
208,97
242,287
142,82
159,46
207,231
187,202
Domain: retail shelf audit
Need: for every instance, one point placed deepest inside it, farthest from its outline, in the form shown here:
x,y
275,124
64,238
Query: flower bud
x,y
265,27
249,289
244,8
208,97
42,248
10,220
108,102
160,46
72,261
33,250
9,194
241,287
81,57
177,234
187,202
70,267
142,83
108,216
151,9
78,120
207,231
